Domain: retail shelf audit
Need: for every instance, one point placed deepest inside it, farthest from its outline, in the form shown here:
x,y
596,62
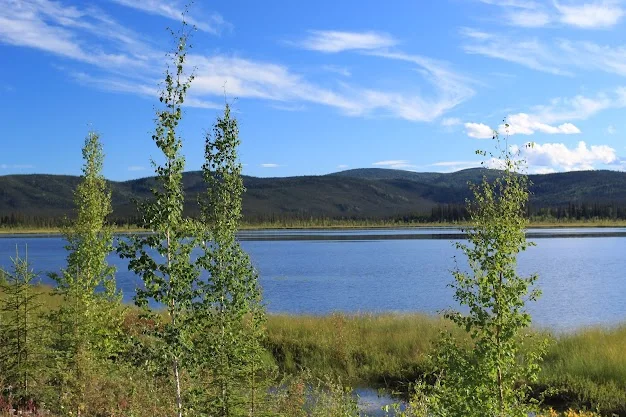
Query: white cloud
x,y
453,166
526,124
391,162
395,164
269,165
478,130
558,157
528,19
556,117
336,41
611,130
173,9
342,166
590,15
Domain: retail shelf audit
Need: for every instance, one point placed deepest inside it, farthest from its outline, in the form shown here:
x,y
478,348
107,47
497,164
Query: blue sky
x,y
319,86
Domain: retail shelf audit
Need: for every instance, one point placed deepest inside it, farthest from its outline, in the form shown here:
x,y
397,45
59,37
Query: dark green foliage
x,y
228,307
20,332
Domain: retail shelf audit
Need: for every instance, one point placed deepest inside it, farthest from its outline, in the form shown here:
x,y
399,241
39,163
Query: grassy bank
x,y
585,369
582,370
340,224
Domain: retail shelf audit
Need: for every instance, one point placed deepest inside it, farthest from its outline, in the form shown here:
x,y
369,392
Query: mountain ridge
x,y
366,193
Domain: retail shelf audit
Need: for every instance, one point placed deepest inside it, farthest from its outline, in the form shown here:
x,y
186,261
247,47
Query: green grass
x,y
582,370
588,369
366,349
585,369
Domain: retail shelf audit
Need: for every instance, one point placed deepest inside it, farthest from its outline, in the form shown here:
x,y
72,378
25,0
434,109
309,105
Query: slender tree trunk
x,y
499,350
179,399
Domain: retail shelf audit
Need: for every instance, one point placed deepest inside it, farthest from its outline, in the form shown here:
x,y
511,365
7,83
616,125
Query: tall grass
x,y
382,350
585,369
582,370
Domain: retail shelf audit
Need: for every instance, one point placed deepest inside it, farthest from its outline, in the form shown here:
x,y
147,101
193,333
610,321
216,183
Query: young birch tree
x,y
163,258
491,378
88,321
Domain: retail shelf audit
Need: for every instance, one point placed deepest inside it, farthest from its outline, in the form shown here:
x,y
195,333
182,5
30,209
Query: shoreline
x,y
340,226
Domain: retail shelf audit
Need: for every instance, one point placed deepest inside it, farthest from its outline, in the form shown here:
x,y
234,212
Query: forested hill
x,y
355,194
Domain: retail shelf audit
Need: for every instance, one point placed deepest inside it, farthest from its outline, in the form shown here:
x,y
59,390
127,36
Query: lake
x,y
581,270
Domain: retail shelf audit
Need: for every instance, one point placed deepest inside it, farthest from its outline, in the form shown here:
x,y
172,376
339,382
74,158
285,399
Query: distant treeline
x,y
442,213
572,211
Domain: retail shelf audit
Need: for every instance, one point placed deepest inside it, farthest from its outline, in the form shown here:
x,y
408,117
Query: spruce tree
x,y
20,330
230,310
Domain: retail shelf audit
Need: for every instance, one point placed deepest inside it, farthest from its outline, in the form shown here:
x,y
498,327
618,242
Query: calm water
x,y
582,271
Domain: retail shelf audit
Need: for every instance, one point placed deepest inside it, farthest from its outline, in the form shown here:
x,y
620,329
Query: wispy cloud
x,y
342,166
592,14
453,166
121,60
452,88
62,30
139,87
269,165
136,168
257,79
336,41
173,9
559,57
395,164
528,18
530,52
